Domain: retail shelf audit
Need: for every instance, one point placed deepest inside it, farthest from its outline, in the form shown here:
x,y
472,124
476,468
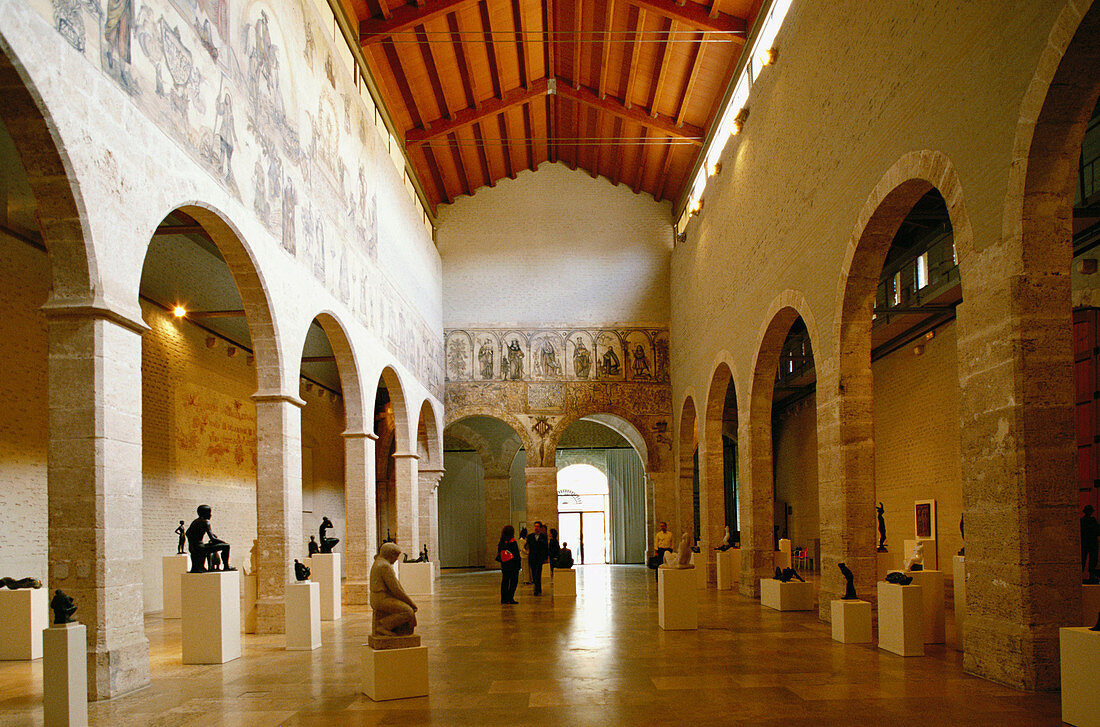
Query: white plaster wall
x,y
555,246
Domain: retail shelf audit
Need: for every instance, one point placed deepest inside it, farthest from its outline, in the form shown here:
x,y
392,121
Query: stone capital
x,y
268,396
432,476
406,455
95,308
360,435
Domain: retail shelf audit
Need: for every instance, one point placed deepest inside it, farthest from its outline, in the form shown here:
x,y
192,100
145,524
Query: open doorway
x,y
583,509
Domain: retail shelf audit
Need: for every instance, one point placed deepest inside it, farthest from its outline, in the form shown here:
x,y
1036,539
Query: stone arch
x,y
429,437
347,365
634,427
60,205
402,425
457,415
687,441
712,451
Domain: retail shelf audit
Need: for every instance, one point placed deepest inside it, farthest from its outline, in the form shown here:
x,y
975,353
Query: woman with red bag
x,y
508,557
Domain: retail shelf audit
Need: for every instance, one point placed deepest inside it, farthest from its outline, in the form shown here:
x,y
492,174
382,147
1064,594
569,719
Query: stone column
x,y
757,507
94,484
278,504
429,511
498,512
663,485
542,495
712,504
407,501
361,533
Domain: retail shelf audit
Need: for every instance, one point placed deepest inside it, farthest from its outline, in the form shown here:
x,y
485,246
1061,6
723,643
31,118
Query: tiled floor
x,y
597,660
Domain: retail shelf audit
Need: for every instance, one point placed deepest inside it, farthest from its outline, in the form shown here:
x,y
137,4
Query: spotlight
x,y
739,120
713,169
179,311
769,56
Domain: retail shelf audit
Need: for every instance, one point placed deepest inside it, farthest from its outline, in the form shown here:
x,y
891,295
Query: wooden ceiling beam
x,y
465,117
384,8
662,178
635,50
433,71
403,84
617,152
505,140
608,19
490,47
693,75
552,127
578,14
404,18
460,165
732,27
662,75
589,97
597,150
469,82
640,165
548,25
482,156
528,134
437,177
576,133
522,54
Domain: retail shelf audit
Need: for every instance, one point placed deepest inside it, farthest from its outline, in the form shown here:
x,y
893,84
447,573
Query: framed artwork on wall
x,y
924,514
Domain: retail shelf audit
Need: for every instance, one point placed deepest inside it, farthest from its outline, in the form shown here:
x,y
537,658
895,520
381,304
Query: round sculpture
x,y
850,587
394,611
301,572
63,608
898,577
208,555
327,543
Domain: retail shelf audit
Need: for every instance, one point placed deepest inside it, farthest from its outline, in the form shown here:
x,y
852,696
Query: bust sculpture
x,y
212,551
327,543
394,611
881,528
916,560
301,572
785,575
896,576
565,558
17,583
850,587
180,531
63,608
681,558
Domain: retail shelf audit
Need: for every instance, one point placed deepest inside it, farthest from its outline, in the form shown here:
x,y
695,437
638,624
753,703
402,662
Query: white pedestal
x,y
931,561
419,578
211,628
171,568
303,616
24,612
1090,604
65,675
793,596
931,583
677,599
324,569
395,673
851,622
565,583
1080,653
958,572
729,569
886,562
901,619
700,562
248,604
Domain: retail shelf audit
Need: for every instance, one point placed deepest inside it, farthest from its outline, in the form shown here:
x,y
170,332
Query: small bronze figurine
x,y
881,528
850,588
301,572
786,574
15,584
314,549
201,552
63,608
183,538
898,577
327,543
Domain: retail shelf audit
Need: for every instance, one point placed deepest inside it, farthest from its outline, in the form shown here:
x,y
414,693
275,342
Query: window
x,y
922,271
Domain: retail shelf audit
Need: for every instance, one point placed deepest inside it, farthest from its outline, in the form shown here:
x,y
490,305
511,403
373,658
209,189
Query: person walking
x,y
508,557
537,551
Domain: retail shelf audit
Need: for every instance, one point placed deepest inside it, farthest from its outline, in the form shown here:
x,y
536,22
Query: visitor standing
x,y
1090,544
508,557
663,542
523,556
554,549
537,550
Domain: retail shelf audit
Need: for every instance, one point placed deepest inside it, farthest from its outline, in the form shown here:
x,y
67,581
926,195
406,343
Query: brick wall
x,y
794,441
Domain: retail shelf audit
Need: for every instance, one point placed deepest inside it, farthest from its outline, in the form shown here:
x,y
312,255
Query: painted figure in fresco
x,y
513,368
224,135
611,365
641,364
582,360
116,31
290,199
548,359
485,359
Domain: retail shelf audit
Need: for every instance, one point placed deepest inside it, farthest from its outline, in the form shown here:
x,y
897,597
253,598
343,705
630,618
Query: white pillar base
x,y
677,599
699,560
565,583
171,568
324,569
851,621
395,673
65,675
418,579
1090,604
249,615
1080,653
211,628
303,616
793,596
729,569
958,573
901,619
931,583
24,612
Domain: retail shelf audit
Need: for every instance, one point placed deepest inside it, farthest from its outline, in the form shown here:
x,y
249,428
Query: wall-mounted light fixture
x,y
739,120
770,56
231,351
211,341
179,311
714,169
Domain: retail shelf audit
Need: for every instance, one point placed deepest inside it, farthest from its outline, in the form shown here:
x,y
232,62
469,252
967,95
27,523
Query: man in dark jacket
x,y
538,549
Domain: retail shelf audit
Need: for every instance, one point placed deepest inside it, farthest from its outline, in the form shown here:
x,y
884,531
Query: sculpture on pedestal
x,y
785,575
327,543
15,584
314,549
916,560
962,532
301,572
389,538
565,558
394,611
201,551
183,538
422,557
881,528
682,557
63,608
896,576
849,579
725,544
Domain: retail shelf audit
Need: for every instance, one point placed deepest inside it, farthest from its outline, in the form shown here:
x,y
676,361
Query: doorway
x,y
586,532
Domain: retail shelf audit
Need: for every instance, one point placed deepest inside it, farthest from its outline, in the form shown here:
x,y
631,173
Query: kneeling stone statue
x,y
682,557
394,612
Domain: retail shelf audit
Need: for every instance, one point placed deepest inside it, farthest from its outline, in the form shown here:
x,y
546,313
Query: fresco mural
x,y
254,92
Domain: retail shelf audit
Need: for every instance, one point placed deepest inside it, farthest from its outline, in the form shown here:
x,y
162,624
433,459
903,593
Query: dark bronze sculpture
x,y
898,577
63,608
301,572
786,574
1097,626
389,538
314,549
183,538
15,584
565,558
881,528
327,543
422,556
201,552
849,579
962,532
